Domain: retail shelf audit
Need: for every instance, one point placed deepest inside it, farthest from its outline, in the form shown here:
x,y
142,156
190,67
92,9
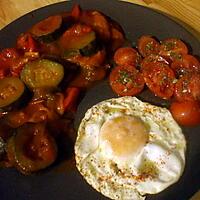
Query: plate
x,y
67,184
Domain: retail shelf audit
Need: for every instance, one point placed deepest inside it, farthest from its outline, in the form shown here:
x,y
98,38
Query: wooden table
x,y
186,12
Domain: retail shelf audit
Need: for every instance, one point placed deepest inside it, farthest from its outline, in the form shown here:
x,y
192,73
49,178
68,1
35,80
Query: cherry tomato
x,y
126,80
148,45
187,88
159,78
173,48
186,113
187,64
127,56
151,60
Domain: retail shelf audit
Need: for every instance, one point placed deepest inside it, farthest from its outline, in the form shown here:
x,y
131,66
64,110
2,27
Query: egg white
x,y
158,165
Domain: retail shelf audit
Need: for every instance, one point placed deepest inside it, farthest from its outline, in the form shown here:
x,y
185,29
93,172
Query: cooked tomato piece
x,y
173,48
187,88
159,78
9,54
26,42
117,35
148,45
87,76
126,80
127,56
187,64
186,113
95,60
76,11
98,22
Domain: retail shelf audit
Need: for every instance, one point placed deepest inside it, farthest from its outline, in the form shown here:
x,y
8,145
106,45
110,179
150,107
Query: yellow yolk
x,y
126,135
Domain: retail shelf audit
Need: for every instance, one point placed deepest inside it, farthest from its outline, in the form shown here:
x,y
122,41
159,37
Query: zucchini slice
x,y
11,88
35,149
48,29
42,73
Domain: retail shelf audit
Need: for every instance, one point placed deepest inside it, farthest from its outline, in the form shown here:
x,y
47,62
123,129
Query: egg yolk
x,y
126,135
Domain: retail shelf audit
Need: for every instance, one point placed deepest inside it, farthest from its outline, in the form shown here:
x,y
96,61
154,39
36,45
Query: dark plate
x,y
68,184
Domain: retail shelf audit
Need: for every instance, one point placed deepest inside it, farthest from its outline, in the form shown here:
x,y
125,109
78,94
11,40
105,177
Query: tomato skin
x,y
187,88
126,80
186,113
173,48
98,22
187,64
27,43
151,60
127,56
159,78
147,45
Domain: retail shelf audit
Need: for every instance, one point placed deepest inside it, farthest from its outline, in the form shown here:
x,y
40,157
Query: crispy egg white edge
x,y
162,115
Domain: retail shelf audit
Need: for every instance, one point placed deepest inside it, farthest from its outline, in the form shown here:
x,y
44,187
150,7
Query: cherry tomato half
x,y
126,80
151,60
186,113
127,56
187,64
148,45
187,88
159,78
173,48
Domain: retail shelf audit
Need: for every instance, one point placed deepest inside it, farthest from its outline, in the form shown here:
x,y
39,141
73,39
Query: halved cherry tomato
x,y
27,43
159,78
148,45
187,64
152,59
187,88
127,56
186,113
126,80
173,48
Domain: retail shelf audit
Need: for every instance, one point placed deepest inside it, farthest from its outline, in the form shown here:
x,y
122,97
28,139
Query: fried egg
x,y
127,148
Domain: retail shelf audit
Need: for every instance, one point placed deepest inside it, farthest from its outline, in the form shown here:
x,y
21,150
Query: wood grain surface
x,y
186,12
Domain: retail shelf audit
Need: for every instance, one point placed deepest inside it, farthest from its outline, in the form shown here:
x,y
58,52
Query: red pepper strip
x,y
70,99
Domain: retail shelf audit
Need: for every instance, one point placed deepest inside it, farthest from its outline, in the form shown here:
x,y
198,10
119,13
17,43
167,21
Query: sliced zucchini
x,y
35,149
47,29
11,88
76,37
90,49
42,73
